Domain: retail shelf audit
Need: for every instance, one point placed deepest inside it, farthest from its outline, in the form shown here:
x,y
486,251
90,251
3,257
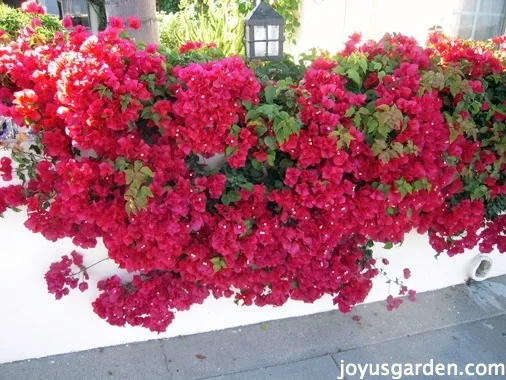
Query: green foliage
x,y
168,6
191,56
218,22
278,70
289,10
13,20
137,178
495,207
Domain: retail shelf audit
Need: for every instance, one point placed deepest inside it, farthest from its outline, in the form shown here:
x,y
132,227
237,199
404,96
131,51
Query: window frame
x,y
476,15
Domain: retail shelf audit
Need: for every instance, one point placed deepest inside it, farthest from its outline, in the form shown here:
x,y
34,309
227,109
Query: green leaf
x,y
141,202
218,263
270,141
454,88
225,199
271,157
120,164
137,165
233,196
391,211
354,76
388,245
247,105
235,130
156,117
252,114
125,101
256,164
270,94
145,192
147,171
375,66
349,112
129,176
229,151
268,110
398,147
248,186
260,130
362,62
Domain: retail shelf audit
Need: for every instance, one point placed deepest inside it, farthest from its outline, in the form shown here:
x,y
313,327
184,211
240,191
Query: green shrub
x,y
219,22
13,20
168,6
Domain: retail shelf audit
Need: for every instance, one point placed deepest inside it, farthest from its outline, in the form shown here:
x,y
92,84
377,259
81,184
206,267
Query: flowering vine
x,y
384,138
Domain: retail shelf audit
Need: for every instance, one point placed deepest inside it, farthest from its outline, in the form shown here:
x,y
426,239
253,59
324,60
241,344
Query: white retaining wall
x,y
33,324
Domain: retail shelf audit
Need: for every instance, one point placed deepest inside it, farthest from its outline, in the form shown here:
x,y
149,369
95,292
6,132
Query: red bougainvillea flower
x,y
393,303
116,22
31,6
67,22
133,22
193,45
60,278
6,168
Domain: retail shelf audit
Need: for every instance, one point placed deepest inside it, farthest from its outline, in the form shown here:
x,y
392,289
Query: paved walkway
x,y
454,325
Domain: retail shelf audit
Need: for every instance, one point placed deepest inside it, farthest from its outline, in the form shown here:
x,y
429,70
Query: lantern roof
x,y
263,14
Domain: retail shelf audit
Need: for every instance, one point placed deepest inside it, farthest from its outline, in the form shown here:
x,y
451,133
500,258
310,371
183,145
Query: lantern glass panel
x,y
78,10
260,49
260,33
273,32
272,48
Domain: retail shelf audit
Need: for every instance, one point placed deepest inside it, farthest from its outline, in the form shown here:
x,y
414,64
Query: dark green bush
x,y
168,6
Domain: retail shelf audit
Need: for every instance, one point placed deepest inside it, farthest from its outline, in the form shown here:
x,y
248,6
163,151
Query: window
x,y
77,10
478,19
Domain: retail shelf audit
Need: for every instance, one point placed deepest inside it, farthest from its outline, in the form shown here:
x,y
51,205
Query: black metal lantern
x,y
77,10
264,33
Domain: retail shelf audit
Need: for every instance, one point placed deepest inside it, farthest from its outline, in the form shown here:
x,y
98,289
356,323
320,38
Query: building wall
x,y
326,24
51,6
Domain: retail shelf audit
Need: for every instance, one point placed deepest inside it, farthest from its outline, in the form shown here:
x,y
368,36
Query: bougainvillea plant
x,y
383,138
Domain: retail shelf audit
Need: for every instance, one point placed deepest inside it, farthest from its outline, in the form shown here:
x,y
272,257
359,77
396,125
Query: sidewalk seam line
x,y
351,349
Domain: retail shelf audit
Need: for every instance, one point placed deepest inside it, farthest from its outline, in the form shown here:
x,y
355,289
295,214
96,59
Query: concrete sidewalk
x,y
458,325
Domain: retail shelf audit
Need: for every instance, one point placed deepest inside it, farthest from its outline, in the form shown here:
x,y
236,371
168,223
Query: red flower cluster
x,y
478,62
6,168
147,301
365,148
209,102
60,278
31,6
194,45
11,196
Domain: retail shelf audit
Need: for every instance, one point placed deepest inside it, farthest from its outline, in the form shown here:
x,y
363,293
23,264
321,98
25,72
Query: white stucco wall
x,y
326,24
33,324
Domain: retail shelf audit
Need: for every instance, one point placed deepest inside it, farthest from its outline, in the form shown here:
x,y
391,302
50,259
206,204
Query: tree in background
x,y
12,3
99,7
168,6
